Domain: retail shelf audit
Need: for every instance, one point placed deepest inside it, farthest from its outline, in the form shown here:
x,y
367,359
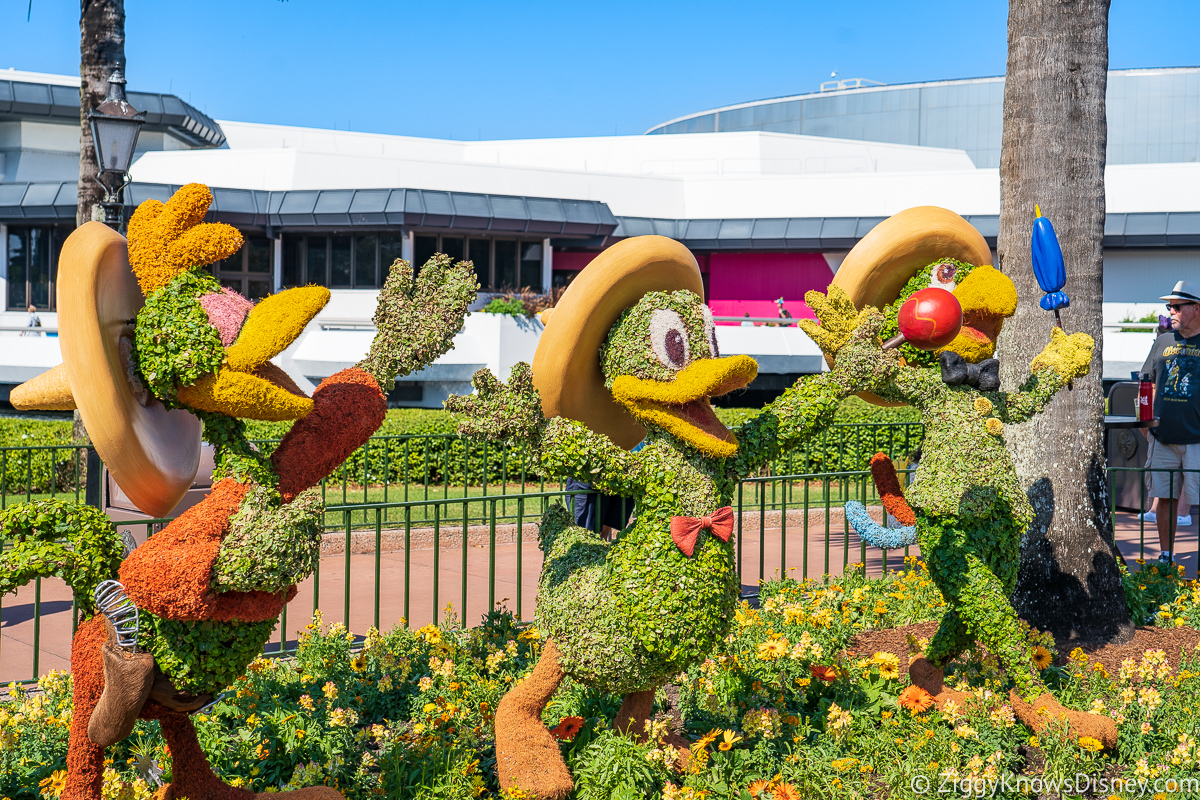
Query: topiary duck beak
x,y
681,406
988,297
248,385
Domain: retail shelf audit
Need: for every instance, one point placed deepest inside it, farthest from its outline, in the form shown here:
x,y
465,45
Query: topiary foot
x,y
1046,708
527,754
924,674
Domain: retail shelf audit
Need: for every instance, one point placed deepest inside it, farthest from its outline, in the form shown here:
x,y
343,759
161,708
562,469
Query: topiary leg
x,y
991,620
85,759
191,775
527,755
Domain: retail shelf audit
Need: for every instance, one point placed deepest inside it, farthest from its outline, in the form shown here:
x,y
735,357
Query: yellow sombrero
x,y
152,453
566,365
875,271
886,258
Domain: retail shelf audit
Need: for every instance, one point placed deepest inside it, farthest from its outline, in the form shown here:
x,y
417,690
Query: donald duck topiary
x,y
630,354
146,362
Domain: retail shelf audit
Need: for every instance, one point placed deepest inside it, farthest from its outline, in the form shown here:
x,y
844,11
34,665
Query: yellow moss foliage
x,y
989,289
839,318
273,324
166,239
994,426
973,349
983,406
239,394
1068,355
661,403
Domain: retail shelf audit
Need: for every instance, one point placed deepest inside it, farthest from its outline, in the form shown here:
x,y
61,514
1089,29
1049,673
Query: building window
x,y
501,265
250,270
32,266
340,261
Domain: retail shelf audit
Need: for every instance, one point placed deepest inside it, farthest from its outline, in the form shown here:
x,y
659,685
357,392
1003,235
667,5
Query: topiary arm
x,y
501,411
417,319
1066,356
809,405
570,449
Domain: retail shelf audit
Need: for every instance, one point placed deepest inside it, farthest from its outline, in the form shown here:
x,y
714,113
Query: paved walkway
x,y
429,579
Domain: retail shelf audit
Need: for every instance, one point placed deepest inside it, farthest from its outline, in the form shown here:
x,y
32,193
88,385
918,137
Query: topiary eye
x,y
942,275
668,338
710,330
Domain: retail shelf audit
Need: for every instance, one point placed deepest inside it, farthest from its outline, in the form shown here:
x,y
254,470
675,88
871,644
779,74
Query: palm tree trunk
x,y
1052,154
101,52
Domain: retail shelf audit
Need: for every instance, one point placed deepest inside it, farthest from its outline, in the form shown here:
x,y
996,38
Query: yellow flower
x,y
1090,744
994,426
772,649
55,784
983,406
1041,657
728,740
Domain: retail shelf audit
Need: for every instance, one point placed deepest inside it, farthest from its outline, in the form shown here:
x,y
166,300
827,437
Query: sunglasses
x,y
1177,306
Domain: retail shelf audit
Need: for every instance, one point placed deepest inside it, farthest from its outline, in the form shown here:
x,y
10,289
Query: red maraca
x,y
929,319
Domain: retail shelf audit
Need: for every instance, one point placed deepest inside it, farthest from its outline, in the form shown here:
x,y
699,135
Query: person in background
x,y
747,323
612,512
34,321
783,314
1174,367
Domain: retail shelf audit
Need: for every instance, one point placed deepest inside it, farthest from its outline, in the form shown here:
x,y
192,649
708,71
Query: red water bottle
x,y
1145,410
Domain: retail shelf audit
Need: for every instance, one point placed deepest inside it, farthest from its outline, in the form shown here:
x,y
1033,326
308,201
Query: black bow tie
x,y
984,376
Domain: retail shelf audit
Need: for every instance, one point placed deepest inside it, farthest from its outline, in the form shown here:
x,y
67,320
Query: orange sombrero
x,y
152,453
566,365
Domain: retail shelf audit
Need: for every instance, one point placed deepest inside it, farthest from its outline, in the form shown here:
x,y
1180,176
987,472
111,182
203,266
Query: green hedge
x,y
38,471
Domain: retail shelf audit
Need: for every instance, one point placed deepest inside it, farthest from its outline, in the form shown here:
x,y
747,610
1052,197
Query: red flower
x,y
567,728
827,674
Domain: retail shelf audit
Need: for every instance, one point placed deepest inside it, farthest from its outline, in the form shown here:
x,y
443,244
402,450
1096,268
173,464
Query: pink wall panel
x,y
741,283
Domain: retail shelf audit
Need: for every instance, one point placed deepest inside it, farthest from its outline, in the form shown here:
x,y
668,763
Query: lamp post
x,y
115,128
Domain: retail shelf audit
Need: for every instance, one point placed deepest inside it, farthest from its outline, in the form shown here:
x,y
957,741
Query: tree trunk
x,y
101,52
1052,154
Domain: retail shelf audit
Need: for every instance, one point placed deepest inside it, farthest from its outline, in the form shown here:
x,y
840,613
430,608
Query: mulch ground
x,y
1175,642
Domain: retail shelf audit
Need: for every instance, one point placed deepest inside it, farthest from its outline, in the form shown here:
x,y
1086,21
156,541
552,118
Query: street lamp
x,y
115,127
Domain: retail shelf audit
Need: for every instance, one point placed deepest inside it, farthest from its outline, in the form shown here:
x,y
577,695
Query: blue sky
x,y
499,69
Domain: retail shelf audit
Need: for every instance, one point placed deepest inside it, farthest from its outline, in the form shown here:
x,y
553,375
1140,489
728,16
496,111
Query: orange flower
x,y
915,699
785,791
567,728
827,674
758,787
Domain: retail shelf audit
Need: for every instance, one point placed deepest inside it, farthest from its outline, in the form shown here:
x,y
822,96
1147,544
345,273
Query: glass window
x,y
364,261
293,261
339,266
506,265
481,254
531,266
453,247
18,253
391,248
258,252
39,267
258,290
317,259
423,249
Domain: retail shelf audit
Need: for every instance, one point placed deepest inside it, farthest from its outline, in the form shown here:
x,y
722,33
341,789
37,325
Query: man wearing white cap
x,y
1174,366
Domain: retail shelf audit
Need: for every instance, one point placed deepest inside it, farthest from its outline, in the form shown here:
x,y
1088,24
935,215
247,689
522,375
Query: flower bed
x,y
790,706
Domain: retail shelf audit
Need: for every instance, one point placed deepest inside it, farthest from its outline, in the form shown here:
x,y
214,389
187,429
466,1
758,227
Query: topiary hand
x,y
861,363
417,319
1067,355
498,410
838,319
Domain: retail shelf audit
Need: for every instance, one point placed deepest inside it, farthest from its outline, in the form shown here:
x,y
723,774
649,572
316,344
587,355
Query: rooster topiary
x,y
196,603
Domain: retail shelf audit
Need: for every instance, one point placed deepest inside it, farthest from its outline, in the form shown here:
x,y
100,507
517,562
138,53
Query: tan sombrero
x,y
152,453
886,258
566,365
875,271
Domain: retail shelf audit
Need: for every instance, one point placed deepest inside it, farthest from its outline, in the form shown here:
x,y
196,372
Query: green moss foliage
x,y
202,657
236,456
630,614
417,318
174,343
53,538
270,547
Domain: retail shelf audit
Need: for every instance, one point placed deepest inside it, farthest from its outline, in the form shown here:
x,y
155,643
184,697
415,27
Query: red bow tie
x,y
686,530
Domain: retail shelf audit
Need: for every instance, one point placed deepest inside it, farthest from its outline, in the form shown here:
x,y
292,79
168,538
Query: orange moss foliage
x,y
85,760
169,575
166,239
888,486
347,408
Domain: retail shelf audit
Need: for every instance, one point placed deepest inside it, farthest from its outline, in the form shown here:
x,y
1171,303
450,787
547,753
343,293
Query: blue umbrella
x,y
1048,265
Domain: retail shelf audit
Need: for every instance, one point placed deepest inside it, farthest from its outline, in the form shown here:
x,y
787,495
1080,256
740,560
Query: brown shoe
x,y
127,680
1079,723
